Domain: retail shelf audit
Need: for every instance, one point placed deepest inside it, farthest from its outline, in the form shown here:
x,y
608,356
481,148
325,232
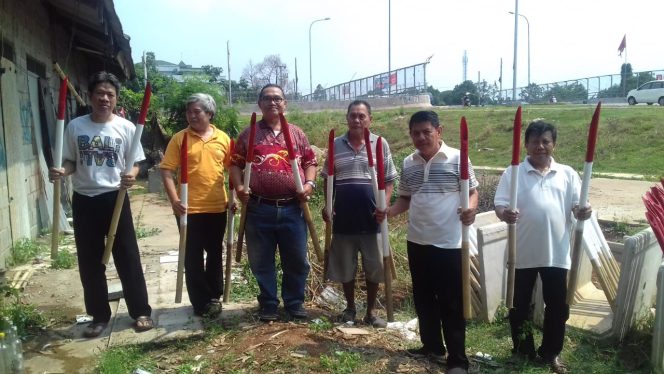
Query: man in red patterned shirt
x,y
274,216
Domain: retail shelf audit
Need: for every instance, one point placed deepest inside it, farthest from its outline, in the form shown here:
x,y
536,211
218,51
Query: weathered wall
x,y
37,41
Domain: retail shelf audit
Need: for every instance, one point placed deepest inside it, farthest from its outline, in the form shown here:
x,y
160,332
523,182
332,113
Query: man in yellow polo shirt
x,y
208,151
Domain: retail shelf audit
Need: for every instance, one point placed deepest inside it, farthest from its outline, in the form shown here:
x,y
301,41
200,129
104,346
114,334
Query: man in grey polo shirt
x,y
354,226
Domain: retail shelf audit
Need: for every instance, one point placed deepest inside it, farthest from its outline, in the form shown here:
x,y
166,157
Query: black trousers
x,y
92,218
556,311
204,277
436,276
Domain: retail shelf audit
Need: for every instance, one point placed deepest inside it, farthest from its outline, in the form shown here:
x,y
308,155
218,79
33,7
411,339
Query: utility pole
x,y
228,64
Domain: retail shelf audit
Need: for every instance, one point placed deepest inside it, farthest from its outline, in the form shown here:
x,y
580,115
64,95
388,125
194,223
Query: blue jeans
x,y
268,227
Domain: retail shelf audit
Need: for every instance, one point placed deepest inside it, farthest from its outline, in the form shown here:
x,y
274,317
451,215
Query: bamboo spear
x,y
329,193
230,228
246,181
184,198
374,185
514,187
465,243
57,164
285,129
380,204
129,164
583,202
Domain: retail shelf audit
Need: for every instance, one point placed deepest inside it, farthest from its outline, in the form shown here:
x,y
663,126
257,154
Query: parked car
x,y
651,92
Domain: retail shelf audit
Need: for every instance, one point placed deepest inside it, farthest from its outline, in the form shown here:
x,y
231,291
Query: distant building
x,y
180,71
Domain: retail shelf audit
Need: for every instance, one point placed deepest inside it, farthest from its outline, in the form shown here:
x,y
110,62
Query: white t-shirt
x,y
434,190
545,202
100,151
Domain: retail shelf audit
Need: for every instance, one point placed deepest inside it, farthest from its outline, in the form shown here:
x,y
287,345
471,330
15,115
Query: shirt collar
x,y
554,166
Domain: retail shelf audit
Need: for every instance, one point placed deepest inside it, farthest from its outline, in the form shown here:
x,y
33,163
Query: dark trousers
x,y
204,277
92,218
556,311
436,276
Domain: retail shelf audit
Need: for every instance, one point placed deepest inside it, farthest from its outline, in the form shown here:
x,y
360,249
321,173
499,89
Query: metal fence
x,y
597,87
408,80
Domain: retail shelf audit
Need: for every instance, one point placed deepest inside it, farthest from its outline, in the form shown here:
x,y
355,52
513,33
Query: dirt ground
x,y
59,294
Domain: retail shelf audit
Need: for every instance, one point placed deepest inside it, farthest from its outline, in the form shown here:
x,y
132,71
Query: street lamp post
x,y
516,39
311,84
528,24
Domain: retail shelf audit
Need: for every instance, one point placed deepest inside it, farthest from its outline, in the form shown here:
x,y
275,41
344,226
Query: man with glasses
x,y
274,216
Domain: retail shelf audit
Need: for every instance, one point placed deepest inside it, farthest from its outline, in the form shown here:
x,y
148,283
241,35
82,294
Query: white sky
x,y
569,38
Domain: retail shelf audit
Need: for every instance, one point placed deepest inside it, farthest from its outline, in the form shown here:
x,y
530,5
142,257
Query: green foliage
x,y
341,362
569,92
64,260
124,359
26,317
532,93
24,251
320,324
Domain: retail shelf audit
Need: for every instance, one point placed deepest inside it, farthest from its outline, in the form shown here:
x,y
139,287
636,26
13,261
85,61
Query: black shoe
x,y
297,312
457,370
417,352
268,314
212,309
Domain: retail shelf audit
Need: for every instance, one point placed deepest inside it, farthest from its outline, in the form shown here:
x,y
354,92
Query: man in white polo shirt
x,y
548,197
429,188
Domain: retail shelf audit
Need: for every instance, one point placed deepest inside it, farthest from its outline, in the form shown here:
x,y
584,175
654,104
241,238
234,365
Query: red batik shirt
x,y
271,173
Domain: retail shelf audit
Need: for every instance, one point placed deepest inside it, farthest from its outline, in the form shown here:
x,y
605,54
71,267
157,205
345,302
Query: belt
x,y
274,202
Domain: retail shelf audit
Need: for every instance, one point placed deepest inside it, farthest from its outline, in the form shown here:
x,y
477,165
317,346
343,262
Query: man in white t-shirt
x,y
94,153
548,197
429,188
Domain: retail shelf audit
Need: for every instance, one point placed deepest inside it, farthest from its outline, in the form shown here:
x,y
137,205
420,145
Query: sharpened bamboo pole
x,y
246,182
285,129
57,164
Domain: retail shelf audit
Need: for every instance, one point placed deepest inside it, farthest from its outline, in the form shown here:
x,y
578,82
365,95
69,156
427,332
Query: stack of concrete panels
x,y
657,356
637,284
492,252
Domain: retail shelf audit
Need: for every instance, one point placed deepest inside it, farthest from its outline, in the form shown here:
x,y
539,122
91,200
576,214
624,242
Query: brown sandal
x,y
143,323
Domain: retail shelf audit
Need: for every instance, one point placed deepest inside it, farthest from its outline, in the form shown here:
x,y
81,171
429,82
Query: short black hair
x,y
424,116
270,85
103,77
357,103
538,128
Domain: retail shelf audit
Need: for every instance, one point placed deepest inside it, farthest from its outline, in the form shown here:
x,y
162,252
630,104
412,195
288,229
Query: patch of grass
x,y
24,251
245,288
124,359
341,362
64,260
143,232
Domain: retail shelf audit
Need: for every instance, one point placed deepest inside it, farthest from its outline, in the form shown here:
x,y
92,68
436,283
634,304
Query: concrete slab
x,y
657,355
591,311
637,284
492,252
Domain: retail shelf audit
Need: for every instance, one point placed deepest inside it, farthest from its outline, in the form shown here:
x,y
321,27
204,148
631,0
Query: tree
x,y
532,93
213,72
569,92
270,70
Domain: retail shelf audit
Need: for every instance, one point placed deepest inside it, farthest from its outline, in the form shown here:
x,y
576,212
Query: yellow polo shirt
x,y
207,161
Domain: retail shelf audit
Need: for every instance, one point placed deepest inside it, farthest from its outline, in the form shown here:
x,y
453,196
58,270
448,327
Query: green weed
x,y
24,251
64,260
341,362
320,324
26,317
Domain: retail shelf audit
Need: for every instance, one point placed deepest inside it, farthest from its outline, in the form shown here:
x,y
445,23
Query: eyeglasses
x,y
276,99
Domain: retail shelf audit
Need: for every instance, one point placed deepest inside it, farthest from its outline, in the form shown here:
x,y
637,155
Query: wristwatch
x,y
311,183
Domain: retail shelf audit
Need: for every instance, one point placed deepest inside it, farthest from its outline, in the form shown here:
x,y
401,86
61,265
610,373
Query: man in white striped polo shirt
x,y
429,189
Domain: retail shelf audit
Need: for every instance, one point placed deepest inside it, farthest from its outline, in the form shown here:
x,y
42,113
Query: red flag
x,y
622,45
